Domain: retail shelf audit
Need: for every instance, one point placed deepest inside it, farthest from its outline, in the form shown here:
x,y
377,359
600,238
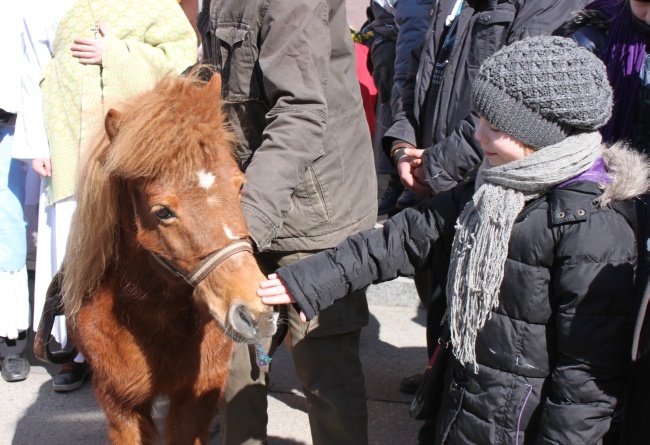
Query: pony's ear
x,y
112,123
214,86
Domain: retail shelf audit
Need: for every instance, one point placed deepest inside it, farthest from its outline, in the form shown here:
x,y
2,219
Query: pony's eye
x,y
164,213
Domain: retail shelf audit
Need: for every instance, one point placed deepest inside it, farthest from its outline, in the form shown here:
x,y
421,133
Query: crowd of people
x,y
514,136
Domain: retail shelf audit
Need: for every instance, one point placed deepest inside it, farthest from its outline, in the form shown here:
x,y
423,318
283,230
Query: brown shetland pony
x,y
155,200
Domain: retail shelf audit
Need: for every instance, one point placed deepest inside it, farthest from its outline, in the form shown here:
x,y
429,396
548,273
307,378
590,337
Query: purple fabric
x,y
596,173
623,55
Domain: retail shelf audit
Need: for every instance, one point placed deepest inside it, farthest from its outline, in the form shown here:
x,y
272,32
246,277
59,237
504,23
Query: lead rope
x,y
263,358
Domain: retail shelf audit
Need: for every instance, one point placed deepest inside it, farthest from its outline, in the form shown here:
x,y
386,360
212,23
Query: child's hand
x,y
411,173
421,179
272,292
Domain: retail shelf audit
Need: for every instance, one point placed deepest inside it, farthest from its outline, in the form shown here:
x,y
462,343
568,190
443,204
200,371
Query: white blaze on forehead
x,y
229,233
206,179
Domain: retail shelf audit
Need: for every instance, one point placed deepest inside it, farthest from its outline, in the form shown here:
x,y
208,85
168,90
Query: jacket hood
x,y
587,17
629,171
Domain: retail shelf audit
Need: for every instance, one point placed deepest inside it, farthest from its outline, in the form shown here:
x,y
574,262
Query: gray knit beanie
x,y
539,90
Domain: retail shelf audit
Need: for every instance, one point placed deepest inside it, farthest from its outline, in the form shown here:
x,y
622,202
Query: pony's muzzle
x,y
249,327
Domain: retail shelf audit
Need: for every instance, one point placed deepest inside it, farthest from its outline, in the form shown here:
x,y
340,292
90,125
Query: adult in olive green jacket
x,y
289,79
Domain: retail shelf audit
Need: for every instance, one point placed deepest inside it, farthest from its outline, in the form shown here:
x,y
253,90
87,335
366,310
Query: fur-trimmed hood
x,y
587,17
629,171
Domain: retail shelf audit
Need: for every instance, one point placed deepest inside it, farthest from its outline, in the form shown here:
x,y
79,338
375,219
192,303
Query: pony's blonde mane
x,y
170,131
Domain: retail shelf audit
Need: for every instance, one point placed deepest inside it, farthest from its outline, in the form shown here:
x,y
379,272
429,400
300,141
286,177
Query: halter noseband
x,y
208,264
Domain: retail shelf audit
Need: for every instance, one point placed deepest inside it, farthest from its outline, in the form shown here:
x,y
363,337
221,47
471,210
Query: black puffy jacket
x,y
553,357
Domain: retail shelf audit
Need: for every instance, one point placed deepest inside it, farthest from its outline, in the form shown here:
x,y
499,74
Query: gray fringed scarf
x,y
483,231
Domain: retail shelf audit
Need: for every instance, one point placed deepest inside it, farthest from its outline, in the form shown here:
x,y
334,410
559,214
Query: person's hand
x,y
90,51
273,292
42,166
411,172
420,177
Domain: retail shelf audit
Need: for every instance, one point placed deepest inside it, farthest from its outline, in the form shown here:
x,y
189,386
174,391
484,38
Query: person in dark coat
x,y
399,29
618,32
536,250
381,63
434,112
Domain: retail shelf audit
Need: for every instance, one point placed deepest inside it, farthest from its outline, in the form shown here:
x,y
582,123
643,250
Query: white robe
x,y
39,27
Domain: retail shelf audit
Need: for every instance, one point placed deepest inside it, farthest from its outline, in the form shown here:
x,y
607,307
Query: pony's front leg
x,y
189,418
128,425
131,426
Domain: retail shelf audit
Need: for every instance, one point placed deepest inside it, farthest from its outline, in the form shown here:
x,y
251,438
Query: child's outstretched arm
x,y
404,245
273,291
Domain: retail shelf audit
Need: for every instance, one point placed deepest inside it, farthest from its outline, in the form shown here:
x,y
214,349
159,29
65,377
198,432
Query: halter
x,y
209,263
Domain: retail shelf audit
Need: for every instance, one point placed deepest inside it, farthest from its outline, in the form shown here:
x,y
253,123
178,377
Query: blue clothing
x,y
403,29
412,20
13,227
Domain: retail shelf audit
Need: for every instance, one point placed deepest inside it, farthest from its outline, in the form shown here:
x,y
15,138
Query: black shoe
x,y
411,383
71,377
388,201
15,368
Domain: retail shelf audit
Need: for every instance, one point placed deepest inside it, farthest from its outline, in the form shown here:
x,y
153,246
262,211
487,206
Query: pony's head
x,y
165,182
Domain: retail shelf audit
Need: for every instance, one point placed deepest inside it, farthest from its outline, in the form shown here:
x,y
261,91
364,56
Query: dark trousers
x,y
326,358
17,346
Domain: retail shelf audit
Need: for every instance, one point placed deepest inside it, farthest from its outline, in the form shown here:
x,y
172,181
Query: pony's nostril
x,y
245,317
247,325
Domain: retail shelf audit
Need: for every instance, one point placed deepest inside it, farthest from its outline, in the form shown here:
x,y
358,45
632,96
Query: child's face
x,y
499,148
641,10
